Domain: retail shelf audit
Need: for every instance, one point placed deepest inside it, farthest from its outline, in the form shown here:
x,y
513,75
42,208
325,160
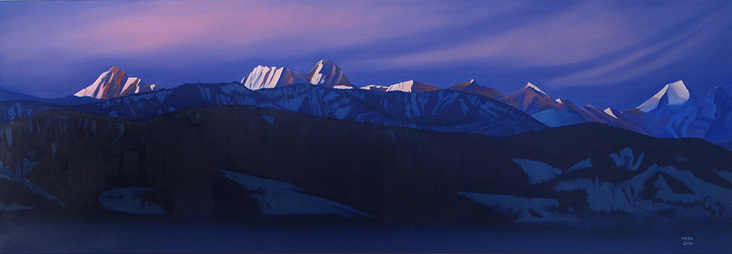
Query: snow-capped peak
x,y
114,83
269,77
326,73
609,111
535,88
676,92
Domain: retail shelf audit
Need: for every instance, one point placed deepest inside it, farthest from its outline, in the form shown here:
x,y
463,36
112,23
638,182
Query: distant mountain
x,y
668,114
530,99
114,83
327,74
473,87
561,114
7,95
673,112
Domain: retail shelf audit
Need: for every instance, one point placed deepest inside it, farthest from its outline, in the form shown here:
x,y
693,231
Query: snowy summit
x,y
677,93
114,83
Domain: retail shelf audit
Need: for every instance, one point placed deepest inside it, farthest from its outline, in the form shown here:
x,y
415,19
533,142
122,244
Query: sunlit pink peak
x,y
114,83
676,92
535,88
326,73
269,77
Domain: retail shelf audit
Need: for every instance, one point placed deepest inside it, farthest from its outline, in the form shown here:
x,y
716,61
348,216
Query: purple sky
x,y
605,53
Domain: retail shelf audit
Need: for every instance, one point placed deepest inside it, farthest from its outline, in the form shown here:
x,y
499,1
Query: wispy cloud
x,y
229,29
604,41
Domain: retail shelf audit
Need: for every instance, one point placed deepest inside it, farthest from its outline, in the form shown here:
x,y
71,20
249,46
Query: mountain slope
x,y
530,99
473,87
443,110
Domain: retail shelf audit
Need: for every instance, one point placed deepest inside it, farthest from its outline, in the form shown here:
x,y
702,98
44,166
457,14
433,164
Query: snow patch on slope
x,y
125,200
527,209
707,200
538,171
17,176
587,163
625,159
724,174
12,207
281,198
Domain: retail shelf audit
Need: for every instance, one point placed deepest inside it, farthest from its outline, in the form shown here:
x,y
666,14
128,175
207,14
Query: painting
x,y
366,126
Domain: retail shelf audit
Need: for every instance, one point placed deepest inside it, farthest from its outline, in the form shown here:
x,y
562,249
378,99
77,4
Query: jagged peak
x,y
535,88
326,73
114,83
677,93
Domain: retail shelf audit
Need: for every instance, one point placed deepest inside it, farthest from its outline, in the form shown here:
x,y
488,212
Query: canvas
x,y
369,126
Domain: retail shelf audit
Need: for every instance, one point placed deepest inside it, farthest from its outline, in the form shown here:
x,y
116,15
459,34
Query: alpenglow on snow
x,y
114,83
325,73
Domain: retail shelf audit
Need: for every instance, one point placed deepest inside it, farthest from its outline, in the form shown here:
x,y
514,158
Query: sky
x,y
605,53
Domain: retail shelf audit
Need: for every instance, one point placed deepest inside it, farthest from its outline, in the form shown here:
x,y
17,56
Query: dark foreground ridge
x,y
256,162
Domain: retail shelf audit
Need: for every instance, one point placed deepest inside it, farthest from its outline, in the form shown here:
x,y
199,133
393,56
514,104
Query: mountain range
x,y
283,143
672,113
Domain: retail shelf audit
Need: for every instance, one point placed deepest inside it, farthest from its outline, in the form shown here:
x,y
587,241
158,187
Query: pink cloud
x,y
217,27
